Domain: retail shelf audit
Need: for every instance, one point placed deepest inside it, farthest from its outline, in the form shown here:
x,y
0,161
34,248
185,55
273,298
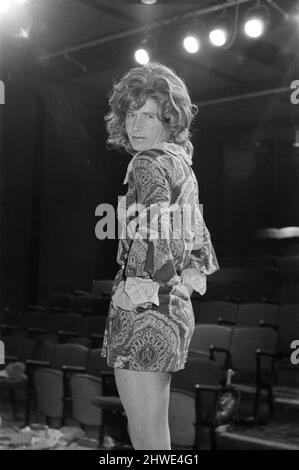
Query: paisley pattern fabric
x,y
165,246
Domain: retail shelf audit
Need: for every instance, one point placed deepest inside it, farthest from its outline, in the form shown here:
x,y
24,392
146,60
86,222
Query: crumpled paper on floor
x,y
40,437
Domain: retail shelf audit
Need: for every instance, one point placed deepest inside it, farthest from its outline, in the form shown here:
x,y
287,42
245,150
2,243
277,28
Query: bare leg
x,y
145,397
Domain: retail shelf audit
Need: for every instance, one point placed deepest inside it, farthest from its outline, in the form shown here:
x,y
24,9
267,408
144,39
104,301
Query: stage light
x,y
145,49
191,32
8,4
256,21
191,44
4,5
221,30
142,56
254,28
218,37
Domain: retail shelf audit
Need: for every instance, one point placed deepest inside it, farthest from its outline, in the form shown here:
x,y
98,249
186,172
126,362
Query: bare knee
x,y
150,433
151,440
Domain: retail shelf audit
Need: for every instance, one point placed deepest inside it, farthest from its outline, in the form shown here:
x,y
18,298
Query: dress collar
x,y
169,147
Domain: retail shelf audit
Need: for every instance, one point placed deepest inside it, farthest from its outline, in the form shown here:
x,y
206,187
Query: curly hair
x,y
159,82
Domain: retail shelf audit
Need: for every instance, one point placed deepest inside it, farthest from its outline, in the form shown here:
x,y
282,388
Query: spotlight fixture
x,y
218,37
141,56
256,20
4,6
7,4
148,2
192,30
221,30
191,44
145,49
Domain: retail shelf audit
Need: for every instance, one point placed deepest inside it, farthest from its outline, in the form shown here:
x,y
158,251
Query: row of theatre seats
x,y
70,380
269,284
264,284
284,319
265,259
89,329
64,370
80,316
61,327
225,332
238,285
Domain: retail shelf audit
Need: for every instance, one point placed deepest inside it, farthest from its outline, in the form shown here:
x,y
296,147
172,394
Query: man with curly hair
x,y
150,320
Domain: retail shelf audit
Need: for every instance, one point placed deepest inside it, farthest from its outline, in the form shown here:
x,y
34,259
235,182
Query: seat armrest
x,y
36,307
227,361
9,327
81,292
32,363
33,330
79,369
95,338
264,324
9,359
222,321
63,334
260,353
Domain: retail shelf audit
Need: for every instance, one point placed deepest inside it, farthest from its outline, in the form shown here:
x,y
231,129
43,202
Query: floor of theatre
x,y
282,434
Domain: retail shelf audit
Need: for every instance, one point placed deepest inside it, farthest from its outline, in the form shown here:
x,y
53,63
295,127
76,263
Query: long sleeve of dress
x,y
201,260
154,252
151,320
150,259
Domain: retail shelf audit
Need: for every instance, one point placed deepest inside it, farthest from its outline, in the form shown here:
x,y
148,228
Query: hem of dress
x,y
152,371
140,370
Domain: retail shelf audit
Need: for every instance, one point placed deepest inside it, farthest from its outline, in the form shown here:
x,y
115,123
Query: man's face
x,y
144,128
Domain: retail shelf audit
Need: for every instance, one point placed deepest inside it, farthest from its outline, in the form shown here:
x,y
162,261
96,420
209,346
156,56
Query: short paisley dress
x,y
150,320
